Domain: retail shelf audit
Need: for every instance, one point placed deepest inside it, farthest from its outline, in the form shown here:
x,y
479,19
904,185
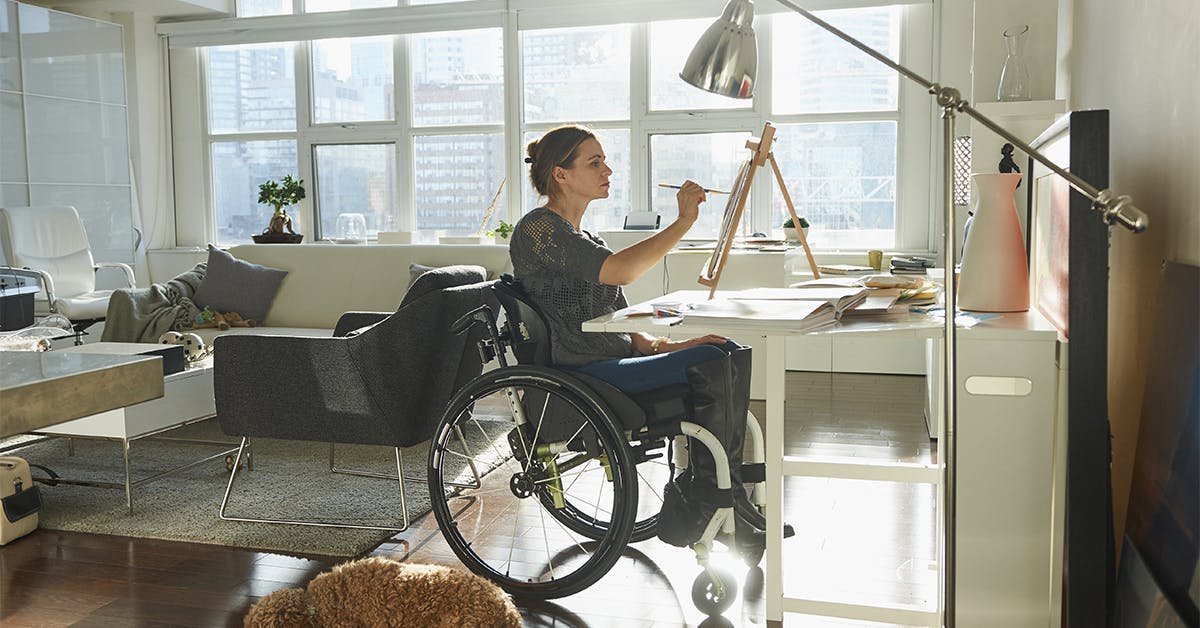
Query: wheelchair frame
x,y
713,590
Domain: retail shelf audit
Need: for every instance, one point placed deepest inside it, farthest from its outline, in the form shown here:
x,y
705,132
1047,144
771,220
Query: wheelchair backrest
x,y
528,333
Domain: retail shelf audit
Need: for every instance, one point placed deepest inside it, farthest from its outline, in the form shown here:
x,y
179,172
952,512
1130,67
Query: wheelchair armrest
x,y
129,279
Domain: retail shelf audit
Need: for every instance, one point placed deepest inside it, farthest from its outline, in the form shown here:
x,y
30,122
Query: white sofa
x,y
326,280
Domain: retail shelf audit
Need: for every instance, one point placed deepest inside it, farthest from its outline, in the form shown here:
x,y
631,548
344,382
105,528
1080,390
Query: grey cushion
x,y
415,271
442,277
232,285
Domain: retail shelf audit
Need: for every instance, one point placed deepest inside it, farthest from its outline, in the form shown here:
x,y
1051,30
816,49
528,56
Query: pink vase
x,y
994,276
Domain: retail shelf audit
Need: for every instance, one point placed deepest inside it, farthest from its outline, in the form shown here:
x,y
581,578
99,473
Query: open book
x,y
881,304
793,315
840,298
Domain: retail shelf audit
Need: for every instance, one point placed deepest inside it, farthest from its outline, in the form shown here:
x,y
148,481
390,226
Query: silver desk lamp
x,y
725,61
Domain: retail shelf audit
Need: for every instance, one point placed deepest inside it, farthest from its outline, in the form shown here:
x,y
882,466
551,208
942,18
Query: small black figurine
x,y
1007,164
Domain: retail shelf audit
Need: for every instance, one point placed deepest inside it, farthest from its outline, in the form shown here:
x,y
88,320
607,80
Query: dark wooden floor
x,y
857,541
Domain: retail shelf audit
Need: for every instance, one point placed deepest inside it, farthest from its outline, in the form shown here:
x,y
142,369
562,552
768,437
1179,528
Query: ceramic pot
x,y
994,276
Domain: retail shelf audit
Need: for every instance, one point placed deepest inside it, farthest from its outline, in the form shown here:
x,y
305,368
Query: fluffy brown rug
x,y
380,592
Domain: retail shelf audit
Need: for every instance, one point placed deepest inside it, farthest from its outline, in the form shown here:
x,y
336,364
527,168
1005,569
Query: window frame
x,y
917,225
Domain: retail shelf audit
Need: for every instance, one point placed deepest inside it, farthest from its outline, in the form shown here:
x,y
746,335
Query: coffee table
x,y
187,398
39,389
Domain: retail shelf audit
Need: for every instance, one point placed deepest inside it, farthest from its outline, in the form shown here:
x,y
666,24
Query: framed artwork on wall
x,y
1067,244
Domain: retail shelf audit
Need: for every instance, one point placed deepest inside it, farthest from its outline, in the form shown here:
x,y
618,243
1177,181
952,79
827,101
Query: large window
x,y
575,74
355,179
457,99
238,169
670,43
251,88
352,80
711,159
420,131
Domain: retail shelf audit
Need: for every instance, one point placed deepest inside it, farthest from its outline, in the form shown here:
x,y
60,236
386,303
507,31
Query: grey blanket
x,y
144,314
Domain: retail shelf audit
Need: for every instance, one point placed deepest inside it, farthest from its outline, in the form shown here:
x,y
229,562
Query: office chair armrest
x,y
42,276
132,283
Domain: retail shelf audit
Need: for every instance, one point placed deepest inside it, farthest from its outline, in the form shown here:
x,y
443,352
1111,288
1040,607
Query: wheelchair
x,y
581,468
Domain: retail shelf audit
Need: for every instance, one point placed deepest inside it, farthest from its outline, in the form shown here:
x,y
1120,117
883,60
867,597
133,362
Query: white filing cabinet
x,y
1007,409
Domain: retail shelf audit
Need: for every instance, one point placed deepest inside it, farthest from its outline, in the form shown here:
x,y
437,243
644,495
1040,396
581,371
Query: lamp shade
x,y
725,59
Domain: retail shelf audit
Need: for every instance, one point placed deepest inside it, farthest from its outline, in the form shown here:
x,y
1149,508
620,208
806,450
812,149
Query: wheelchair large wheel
x,y
512,528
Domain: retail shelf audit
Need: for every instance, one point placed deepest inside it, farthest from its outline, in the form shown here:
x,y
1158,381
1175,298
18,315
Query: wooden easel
x,y
487,215
710,274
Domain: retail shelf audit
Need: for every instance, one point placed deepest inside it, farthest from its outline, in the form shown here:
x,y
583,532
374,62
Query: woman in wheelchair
x,y
573,277
563,277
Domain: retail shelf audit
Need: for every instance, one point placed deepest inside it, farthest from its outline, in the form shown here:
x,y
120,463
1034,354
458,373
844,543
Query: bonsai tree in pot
x,y
788,224
280,195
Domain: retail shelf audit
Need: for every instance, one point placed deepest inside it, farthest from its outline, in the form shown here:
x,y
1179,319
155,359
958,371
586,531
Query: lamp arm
x,y
880,57
1114,208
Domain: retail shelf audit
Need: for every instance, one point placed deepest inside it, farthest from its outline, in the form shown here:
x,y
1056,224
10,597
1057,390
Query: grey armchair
x,y
382,379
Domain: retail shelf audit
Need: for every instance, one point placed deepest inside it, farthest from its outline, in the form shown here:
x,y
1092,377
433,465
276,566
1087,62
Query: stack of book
x,y
910,265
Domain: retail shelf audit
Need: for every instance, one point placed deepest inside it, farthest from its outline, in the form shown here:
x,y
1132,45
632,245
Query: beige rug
x,y
290,480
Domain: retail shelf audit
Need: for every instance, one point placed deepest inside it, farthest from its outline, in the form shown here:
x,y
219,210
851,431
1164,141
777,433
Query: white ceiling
x,y
156,8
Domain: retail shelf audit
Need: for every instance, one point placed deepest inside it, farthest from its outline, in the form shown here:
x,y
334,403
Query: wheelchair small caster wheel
x,y
714,591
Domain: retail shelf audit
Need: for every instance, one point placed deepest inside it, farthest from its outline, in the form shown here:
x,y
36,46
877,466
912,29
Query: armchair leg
x,y
333,468
242,450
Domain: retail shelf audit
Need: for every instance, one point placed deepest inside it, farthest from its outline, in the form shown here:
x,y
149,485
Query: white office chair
x,y
49,243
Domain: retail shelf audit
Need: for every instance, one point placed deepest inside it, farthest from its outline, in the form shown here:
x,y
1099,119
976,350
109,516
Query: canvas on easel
x,y
710,273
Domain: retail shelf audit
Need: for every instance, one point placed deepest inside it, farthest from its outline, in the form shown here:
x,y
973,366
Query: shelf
x,y
1022,109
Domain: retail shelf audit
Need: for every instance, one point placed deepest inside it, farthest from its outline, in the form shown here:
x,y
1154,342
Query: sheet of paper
x,y
816,293
837,280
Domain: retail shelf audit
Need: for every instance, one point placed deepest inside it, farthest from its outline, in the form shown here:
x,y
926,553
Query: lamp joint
x,y
1119,209
947,97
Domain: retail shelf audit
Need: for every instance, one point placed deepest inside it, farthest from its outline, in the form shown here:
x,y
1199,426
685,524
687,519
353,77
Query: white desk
x,y
1005,463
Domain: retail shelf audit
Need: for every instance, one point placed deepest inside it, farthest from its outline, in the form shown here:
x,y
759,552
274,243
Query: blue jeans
x,y
647,372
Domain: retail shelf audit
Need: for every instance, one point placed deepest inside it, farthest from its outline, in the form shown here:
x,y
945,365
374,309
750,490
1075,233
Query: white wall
x,y
1139,60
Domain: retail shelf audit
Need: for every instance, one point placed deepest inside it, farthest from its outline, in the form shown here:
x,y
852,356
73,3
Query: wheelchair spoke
x,y
546,542
537,433
513,540
487,465
653,489
597,504
500,455
599,496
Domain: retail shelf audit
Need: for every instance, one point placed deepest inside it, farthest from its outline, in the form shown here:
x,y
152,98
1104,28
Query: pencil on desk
x,y
676,187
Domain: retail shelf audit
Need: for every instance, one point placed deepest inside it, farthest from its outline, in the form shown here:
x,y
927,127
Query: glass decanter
x,y
1014,78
